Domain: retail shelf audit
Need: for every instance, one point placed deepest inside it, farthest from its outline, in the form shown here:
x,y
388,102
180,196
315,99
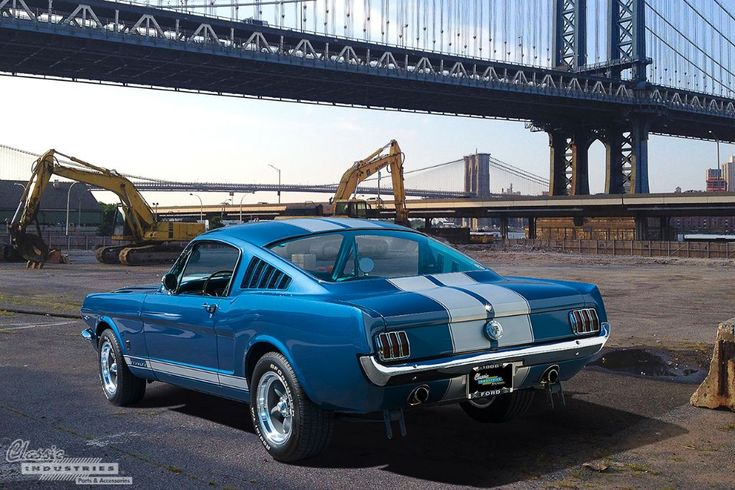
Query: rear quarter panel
x,y
321,340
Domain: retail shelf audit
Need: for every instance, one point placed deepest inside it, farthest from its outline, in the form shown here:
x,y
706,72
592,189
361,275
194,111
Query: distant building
x,y
728,173
703,224
715,180
83,207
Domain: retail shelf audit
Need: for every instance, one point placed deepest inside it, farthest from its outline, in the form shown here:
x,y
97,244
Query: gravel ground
x,y
635,431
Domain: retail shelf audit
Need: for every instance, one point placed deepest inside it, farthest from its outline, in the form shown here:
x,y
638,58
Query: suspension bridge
x,y
474,176
580,70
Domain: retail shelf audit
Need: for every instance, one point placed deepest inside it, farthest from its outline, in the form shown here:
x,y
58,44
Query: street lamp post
x,y
279,180
20,185
68,195
201,206
155,210
241,198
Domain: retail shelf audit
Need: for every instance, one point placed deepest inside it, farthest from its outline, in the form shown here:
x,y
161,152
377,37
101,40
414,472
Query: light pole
x,y
201,206
20,185
717,142
68,195
241,198
279,180
155,210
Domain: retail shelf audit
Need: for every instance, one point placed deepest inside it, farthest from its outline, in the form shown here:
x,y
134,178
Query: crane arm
x,y
375,162
138,215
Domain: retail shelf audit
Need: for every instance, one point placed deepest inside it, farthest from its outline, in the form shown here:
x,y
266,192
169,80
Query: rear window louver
x,y
262,275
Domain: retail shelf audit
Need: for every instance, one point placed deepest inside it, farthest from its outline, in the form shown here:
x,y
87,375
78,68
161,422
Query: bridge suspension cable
x,y
516,32
691,45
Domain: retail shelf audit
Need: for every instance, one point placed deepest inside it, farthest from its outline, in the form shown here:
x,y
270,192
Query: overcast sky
x,y
180,136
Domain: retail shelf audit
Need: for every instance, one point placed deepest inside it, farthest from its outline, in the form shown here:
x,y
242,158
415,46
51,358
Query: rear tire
x,y
119,385
500,408
290,426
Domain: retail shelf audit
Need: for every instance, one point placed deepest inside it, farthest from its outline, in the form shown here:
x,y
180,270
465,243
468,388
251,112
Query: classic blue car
x,y
305,318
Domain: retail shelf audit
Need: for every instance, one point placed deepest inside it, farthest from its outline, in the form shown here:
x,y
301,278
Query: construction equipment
x,y
152,241
344,204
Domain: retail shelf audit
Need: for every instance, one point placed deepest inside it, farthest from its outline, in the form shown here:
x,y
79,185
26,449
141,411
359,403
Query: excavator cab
x,y
353,208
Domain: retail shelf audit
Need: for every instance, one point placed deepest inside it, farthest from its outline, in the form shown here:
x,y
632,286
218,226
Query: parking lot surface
x,y
618,429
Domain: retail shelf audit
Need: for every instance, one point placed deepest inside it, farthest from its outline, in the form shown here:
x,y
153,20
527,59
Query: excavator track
x,y
151,254
109,254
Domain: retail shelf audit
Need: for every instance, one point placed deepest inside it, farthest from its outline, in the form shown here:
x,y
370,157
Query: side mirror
x,y
170,282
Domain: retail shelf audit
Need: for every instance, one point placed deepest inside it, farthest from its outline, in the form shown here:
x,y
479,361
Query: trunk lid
x,y
448,313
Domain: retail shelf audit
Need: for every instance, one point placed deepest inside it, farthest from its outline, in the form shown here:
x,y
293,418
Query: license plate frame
x,y
490,380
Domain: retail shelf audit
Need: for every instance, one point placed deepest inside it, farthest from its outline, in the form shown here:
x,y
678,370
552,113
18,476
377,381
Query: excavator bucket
x,y
29,246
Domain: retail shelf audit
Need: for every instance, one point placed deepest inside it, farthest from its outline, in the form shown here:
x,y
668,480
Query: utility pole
x,y
279,180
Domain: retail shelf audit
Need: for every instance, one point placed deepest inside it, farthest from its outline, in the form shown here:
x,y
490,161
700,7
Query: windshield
x,y
351,255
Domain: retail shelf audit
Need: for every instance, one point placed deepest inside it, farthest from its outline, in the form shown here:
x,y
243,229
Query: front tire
x,y
500,408
290,426
119,385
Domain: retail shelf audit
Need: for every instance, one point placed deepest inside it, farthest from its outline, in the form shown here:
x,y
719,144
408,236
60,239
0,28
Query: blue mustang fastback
x,y
305,318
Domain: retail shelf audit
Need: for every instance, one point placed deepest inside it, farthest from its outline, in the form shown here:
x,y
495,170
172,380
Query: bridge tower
x,y
626,138
477,182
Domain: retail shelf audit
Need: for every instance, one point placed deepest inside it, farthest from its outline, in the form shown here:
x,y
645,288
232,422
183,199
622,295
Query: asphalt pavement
x,y
175,438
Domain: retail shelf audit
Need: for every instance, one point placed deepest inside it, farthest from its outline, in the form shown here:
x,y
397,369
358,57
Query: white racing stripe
x,y
313,225
356,223
468,315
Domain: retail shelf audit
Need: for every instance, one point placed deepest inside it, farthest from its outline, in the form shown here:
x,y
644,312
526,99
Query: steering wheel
x,y
206,282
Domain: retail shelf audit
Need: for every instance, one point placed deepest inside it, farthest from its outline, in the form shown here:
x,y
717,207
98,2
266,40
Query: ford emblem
x,y
493,330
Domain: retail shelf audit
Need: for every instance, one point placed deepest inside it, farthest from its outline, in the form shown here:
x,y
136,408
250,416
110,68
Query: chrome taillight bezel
x,y
584,321
393,346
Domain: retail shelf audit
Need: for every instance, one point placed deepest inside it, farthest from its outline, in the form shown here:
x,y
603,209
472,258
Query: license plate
x,y
490,380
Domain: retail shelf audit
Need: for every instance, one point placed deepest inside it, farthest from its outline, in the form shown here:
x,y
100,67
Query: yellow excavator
x,y
150,241
344,204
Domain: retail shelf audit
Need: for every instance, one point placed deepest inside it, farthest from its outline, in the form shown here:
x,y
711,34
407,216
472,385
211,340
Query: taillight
x,y
393,345
584,321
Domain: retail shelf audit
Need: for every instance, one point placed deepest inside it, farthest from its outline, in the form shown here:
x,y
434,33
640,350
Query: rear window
x,y
353,255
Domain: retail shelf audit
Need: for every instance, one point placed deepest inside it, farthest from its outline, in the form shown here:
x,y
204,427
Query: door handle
x,y
209,308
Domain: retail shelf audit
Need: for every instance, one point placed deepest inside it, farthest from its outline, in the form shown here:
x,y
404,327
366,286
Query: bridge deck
x,y
246,59
679,204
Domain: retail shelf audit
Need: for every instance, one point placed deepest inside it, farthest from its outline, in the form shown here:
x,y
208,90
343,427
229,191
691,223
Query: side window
x,y
209,268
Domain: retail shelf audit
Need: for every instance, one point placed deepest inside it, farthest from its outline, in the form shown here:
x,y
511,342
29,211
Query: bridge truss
x,y
458,57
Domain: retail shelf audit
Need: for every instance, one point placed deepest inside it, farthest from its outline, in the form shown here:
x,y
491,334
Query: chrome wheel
x,y
108,368
274,408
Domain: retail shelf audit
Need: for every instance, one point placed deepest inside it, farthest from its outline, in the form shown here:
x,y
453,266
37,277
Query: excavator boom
x,y
139,218
375,162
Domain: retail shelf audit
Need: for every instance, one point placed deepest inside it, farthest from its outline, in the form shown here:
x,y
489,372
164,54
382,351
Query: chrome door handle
x,y
209,308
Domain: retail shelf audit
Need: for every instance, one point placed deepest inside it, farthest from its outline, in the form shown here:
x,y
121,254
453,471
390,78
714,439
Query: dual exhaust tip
x,y
551,375
418,395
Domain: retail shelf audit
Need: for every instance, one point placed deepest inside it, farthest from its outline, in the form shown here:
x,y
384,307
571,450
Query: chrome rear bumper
x,y
382,375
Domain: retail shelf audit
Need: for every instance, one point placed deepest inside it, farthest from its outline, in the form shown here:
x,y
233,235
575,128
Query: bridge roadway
x,y
600,205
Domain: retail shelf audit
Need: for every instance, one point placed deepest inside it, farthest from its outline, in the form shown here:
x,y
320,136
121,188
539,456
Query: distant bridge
x,y
477,175
163,186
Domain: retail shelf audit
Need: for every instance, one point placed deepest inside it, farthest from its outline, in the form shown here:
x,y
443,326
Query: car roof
x,y
264,232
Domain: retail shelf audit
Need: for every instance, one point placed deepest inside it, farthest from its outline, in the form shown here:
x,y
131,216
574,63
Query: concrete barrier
x,y
718,388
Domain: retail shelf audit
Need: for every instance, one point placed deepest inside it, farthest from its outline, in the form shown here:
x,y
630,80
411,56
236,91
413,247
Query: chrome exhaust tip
x,y
551,375
418,395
